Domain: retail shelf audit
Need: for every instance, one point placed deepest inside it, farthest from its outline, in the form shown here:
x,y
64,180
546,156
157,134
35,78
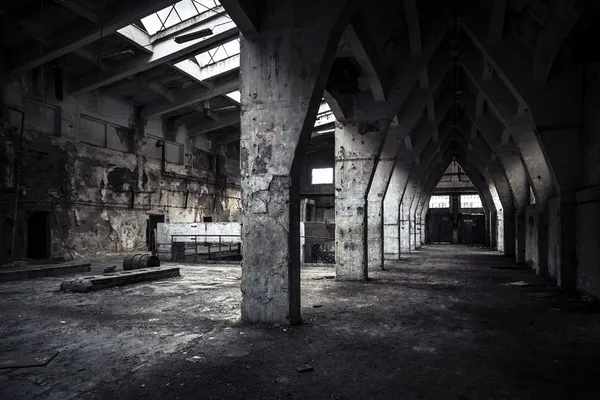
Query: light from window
x,y
470,201
322,176
439,202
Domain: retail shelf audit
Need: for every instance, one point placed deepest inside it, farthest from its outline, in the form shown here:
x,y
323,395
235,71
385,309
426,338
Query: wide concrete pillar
x,y
356,153
279,103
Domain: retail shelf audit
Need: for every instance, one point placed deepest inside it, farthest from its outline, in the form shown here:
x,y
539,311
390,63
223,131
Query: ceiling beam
x,y
166,51
118,17
188,98
81,9
245,14
225,120
497,16
565,15
367,56
414,30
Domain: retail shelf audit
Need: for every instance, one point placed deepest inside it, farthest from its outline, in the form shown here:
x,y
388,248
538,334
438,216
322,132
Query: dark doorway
x,y
439,227
472,229
153,221
207,219
38,235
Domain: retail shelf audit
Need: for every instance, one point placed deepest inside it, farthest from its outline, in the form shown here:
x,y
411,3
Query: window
x,y
439,202
104,134
322,176
470,201
173,150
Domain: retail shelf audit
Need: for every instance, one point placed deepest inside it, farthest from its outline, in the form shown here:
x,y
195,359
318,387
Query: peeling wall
x,y
99,198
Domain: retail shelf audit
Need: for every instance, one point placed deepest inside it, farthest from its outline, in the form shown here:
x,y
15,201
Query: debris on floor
x,y
110,270
90,283
17,360
304,368
542,294
518,283
512,267
317,305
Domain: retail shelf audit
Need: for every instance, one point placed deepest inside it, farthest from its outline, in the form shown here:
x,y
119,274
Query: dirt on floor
x,y
438,324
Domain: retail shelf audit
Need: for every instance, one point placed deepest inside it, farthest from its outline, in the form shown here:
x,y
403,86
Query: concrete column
x,y
379,191
391,208
279,103
563,149
520,236
355,159
407,223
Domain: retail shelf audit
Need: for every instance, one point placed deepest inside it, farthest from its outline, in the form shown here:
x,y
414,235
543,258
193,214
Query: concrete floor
x,y
438,325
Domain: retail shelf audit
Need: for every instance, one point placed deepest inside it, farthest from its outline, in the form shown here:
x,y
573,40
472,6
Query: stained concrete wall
x,y
588,240
531,240
554,232
588,197
90,161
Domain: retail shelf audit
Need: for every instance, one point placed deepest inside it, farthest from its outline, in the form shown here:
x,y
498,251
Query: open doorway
x,y
151,223
38,235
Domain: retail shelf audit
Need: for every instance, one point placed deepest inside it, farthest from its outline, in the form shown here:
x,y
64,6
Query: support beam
x,y
245,14
367,57
188,98
81,9
225,119
166,51
122,15
414,29
275,133
565,15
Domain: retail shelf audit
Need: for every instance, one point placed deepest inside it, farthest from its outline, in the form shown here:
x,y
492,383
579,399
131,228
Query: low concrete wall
x,y
166,229
204,230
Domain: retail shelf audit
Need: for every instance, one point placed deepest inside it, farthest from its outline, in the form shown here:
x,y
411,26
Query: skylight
x,y
176,13
220,53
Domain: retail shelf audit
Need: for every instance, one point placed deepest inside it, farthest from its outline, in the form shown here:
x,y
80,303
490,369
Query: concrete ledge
x,y
90,283
42,271
317,265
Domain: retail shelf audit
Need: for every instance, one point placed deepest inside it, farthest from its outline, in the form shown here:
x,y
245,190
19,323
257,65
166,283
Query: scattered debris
x,y
237,354
317,278
506,267
110,270
542,294
317,305
304,368
16,360
329,277
518,283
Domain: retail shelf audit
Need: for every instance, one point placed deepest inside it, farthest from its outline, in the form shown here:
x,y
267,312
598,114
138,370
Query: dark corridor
x,y
38,235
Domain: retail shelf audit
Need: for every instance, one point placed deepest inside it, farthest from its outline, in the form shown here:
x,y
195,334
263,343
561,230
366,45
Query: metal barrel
x,y
136,261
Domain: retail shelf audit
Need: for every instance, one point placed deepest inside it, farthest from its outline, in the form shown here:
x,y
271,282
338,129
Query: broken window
x,y
470,201
101,133
439,202
322,176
